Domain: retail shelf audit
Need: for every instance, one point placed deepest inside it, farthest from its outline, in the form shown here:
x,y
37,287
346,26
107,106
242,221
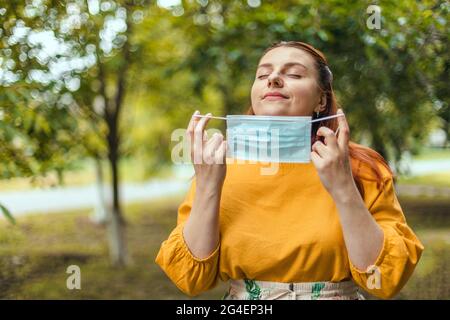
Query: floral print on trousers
x,y
247,289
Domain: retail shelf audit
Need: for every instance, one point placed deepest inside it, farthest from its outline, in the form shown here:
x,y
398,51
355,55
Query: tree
x,y
385,79
88,66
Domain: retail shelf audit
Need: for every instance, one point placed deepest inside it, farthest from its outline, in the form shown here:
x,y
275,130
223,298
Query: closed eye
x,y
263,76
295,76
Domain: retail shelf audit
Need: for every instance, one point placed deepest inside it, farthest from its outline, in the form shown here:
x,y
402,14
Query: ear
x,y
322,103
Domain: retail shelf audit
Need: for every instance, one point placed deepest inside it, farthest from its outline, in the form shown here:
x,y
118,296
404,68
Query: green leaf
x,y
7,214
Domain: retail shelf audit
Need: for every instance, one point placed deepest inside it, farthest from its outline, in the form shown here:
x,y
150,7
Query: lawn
x,y
82,173
428,153
441,179
35,253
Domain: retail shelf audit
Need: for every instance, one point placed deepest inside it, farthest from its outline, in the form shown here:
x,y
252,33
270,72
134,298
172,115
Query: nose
x,y
274,80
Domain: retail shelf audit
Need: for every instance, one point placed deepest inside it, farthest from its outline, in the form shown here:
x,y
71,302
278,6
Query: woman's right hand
x,y
208,155
201,231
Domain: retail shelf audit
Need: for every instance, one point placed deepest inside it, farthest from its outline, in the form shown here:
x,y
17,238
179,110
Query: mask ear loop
x,y
200,116
330,117
315,120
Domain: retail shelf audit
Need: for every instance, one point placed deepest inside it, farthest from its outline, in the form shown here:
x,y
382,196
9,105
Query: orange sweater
x,y
285,228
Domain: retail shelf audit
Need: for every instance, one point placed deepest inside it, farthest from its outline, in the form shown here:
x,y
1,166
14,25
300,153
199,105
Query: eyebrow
x,y
288,64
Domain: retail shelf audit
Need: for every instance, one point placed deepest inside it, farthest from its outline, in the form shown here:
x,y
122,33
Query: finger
x,y
198,139
192,122
211,148
320,149
220,155
316,159
200,123
344,130
190,129
330,138
200,127
336,133
215,140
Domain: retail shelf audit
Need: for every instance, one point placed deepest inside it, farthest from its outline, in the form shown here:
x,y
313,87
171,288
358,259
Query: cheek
x,y
255,93
304,91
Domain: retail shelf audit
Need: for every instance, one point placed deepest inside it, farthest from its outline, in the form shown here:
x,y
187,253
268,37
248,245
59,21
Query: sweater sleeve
x,y
401,249
190,274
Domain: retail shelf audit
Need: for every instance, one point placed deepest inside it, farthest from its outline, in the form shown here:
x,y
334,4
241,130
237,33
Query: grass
x,y
83,173
35,253
430,220
428,153
441,179
430,279
132,170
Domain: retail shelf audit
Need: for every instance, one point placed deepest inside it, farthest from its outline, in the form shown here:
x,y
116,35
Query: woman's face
x,y
286,84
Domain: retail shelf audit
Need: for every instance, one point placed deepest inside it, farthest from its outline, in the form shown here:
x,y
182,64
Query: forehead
x,y
282,55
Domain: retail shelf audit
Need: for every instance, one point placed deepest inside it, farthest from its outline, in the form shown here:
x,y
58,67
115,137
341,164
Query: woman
x,y
318,230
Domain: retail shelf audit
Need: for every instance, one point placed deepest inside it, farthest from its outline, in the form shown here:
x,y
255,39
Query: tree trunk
x,y
116,223
102,205
379,145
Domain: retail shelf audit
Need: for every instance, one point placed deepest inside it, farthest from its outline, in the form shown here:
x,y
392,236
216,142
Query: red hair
x,y
359,154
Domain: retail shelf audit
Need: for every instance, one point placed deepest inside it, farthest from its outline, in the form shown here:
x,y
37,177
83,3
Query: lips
x,y
274,95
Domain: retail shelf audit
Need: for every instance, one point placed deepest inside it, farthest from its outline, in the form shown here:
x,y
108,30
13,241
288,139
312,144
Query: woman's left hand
x,y
332,159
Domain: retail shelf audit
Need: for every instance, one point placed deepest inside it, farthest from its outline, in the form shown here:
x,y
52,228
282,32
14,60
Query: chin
x,y
272,110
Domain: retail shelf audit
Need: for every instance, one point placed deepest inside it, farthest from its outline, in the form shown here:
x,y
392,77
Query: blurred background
x,y
90,92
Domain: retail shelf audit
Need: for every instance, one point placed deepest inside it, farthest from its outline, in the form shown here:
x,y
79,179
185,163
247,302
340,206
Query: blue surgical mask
x,y
270,138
